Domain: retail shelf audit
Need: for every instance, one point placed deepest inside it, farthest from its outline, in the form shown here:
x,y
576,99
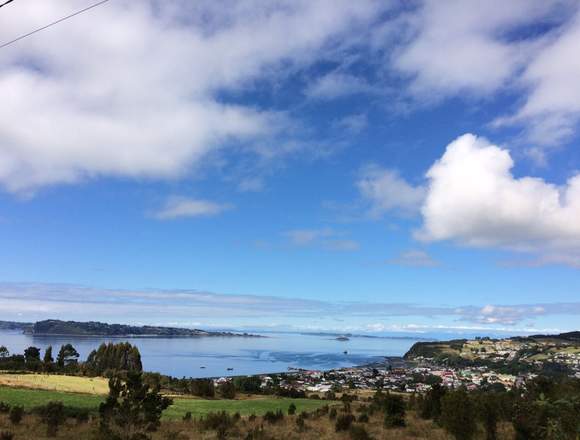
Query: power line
x,y
51,24
6,2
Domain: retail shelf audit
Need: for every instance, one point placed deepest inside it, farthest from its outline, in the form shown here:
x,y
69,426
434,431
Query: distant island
x,y
92,328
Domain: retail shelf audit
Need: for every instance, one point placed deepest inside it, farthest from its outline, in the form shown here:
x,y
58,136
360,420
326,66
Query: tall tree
x,y
458,415
67,355
4,352
132,410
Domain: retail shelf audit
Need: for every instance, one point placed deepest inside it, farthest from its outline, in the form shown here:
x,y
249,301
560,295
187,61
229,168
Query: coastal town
x,y
481,363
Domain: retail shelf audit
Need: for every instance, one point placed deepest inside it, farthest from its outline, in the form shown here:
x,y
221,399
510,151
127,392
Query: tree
x,y
228,390
394,407
458,415
4,353
431,406
67,355
53,415
132,409
32,355
114,357
16,414
489,408
47,360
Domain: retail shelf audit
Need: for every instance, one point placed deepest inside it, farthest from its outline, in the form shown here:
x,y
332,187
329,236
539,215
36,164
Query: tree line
x,y
106,360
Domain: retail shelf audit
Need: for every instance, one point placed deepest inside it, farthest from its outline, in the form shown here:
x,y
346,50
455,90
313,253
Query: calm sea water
x,y
275,353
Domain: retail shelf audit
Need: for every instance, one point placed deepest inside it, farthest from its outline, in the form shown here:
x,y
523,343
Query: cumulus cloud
x,y
177,207
414,258
458,48
386,191
136,89
474,199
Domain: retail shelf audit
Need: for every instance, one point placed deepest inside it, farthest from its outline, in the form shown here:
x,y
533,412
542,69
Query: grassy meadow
x,y
30,390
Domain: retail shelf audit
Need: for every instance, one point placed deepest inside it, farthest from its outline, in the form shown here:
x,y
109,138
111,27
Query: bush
x,y
394,407
359,433
53,415
4,408
332,414
273,417
292,409
6,435
187,417
363,418
458,415
16,414
344,422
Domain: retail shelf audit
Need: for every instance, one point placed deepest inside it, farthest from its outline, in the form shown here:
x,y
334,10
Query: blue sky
x,y
344,166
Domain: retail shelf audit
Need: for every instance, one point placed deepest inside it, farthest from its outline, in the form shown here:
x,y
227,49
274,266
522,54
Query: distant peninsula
x,y
57,327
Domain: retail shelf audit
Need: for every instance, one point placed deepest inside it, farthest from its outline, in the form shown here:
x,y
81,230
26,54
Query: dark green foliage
x,y
67,356
4,353
32,354
343,422
6,435
4,408
363,418
431,405
458,415
53,415
489,412
227,390
187,417
273,417
48,360
359,433
332,413
394,408
16,414
114,358
132,409
248,384
291,409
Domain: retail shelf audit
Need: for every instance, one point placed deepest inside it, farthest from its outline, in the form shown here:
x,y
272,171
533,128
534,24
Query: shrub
x,y
292,409
252,417
332,413
16,414
363,418
4,407
53,415
359,433
458,415
187,417
273,417
394,407
6,435
343,422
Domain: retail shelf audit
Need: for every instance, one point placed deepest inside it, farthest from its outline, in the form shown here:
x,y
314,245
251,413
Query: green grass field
x,y
198,407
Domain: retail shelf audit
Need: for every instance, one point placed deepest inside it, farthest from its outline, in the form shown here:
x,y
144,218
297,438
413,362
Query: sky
x,y
328,165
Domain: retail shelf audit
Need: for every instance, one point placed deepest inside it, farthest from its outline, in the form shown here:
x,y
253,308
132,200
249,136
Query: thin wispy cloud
x,y
182,207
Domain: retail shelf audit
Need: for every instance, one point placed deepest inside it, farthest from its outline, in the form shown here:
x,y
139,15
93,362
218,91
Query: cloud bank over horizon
x,y
37,301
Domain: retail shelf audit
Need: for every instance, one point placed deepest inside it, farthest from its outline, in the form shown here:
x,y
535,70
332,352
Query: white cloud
x,y
354,123
326,238
552,108
474,48
414,258
336,84
131,88
177,207
386,191
474,199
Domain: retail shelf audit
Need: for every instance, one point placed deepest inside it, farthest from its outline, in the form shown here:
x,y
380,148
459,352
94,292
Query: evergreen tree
x,y
458,415
132,410
67,356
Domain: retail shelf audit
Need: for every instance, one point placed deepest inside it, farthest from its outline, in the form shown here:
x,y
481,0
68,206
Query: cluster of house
x,y
412,379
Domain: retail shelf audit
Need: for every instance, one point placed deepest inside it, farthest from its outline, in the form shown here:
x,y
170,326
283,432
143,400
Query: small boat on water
x,y
345,352
202,367
343,338
230,369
